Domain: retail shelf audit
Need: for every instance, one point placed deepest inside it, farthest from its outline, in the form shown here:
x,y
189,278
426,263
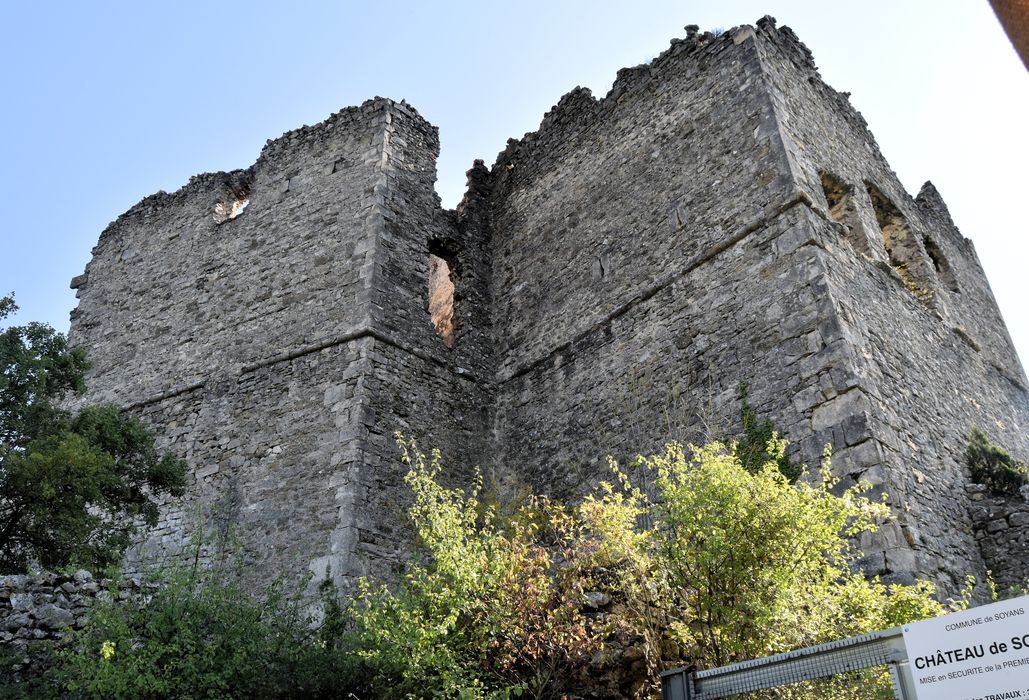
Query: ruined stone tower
x,y
721,216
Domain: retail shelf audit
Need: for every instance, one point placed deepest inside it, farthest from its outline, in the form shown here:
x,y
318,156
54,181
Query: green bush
x,y
992,466
201,636
720,563
486,615
761,566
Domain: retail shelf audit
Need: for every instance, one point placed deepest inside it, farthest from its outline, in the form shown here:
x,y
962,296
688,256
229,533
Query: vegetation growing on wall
x,y
993,466
753,446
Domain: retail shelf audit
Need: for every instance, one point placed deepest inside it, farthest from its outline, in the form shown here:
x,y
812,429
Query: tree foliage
x,y
73,485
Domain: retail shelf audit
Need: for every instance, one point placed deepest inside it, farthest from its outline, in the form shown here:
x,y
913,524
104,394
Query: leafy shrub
x,y
720,565
487,614
992,466
201,636
761,566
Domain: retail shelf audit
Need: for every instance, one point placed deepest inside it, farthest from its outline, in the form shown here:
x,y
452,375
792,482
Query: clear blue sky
x,y
105,103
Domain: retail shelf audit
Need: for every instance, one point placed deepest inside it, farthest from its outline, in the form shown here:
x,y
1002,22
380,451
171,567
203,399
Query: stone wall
x,y
173,295
1002,533
720,216
277,350
930,352
639,230
42,609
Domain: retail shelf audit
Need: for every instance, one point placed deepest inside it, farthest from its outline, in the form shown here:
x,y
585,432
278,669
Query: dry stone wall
x,y
721,216
40,611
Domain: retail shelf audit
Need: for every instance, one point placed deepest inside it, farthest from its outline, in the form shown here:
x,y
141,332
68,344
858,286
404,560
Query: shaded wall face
x,y
275,457
610,197
670,366
926,386
295,468
172,297
1001,526
931,352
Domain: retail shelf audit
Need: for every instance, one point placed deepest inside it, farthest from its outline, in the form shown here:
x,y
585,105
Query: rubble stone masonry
x,y
720,216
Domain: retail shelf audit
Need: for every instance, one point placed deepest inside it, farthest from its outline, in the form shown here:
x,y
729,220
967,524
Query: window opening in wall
x,y
839,196
943,270
442,286
235,201
906,256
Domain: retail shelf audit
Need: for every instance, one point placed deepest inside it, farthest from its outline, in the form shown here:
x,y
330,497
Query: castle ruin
x,y
720,216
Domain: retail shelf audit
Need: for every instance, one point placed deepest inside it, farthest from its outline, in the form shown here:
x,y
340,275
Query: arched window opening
x,y
442,288
943,269
906,256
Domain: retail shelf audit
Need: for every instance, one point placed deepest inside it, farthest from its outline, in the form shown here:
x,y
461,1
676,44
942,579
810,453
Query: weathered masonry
x,y
721,216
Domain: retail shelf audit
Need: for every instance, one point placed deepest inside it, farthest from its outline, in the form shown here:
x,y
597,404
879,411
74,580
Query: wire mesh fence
x,y
868,667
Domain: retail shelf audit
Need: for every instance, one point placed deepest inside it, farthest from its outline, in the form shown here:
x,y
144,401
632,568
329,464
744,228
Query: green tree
x,y
73,485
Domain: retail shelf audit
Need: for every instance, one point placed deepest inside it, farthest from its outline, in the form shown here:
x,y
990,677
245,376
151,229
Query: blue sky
x,y
105,102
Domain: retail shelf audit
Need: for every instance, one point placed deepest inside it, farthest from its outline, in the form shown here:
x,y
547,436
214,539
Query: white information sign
x,y
976,654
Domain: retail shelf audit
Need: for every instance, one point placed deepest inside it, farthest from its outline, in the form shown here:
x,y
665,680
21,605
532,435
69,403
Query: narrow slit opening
x,y
442,285
943,269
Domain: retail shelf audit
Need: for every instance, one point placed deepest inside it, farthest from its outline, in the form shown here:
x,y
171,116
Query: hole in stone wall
x,y
839,197
905,255
235,201
442,286
943,269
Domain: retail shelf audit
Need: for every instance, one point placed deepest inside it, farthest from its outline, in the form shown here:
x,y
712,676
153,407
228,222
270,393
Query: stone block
x,y
54,617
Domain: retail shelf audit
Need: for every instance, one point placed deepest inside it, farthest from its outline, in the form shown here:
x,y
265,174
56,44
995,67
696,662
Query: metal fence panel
x,y
810,663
